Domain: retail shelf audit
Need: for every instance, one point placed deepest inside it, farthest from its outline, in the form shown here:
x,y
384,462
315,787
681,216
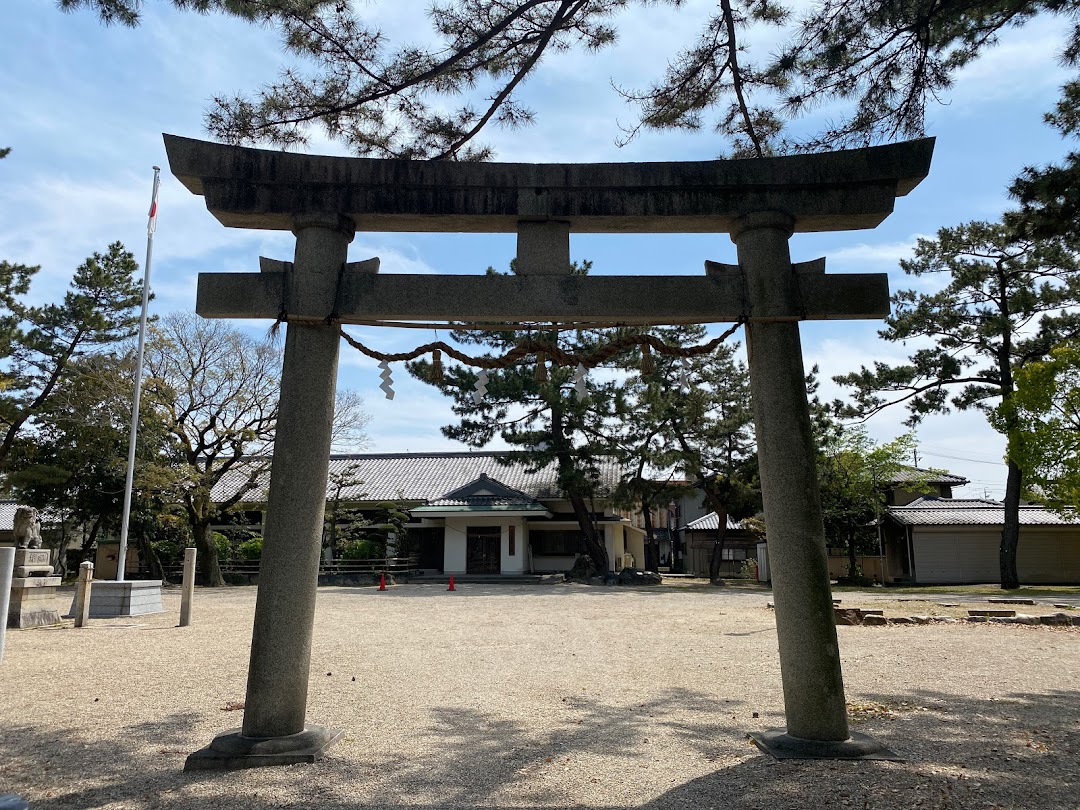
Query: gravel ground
x,y
539,696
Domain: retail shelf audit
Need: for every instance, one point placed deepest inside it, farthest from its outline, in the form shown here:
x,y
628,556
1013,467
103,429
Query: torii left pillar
x,y
274,730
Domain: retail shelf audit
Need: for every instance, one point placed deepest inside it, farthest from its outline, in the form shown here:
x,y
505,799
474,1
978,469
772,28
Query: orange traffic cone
x,y
382,582
451,588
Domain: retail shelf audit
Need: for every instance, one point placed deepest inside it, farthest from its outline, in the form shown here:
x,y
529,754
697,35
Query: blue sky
x,y
86,106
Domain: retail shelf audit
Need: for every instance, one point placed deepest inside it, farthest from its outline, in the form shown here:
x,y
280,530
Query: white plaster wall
x,y
515,564
614,552
552,565
635,544
454,547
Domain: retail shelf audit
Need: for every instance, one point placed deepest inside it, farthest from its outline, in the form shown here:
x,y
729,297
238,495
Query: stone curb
x,y
872,618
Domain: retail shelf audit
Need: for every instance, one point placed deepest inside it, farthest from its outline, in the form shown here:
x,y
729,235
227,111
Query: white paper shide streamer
x,y
387,384
480,387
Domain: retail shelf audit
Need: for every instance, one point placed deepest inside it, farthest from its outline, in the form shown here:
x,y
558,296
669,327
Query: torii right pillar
x,y
813,684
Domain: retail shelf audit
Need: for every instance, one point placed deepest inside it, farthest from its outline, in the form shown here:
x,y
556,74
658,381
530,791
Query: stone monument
x,y
759,203
33,587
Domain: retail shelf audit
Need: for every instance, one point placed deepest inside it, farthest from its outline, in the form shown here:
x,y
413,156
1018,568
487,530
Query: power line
x,y
963,458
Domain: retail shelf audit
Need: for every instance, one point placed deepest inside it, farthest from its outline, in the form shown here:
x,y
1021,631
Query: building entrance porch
x,y
482,550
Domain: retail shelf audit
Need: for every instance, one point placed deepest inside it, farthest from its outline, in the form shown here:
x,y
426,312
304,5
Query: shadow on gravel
x,y
1016,753
554,589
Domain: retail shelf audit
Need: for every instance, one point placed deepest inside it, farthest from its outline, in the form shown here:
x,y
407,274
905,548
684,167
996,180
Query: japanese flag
x,y
151,226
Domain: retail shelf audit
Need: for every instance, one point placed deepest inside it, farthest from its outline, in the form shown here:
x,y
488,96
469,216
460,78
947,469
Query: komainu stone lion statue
x,y
27,528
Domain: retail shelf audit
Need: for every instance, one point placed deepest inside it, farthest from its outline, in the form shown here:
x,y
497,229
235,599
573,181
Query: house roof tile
x,y
930,511
421,477
928,476
709,523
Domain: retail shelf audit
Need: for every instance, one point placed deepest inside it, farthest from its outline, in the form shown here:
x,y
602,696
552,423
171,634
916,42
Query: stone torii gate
x,y
760,203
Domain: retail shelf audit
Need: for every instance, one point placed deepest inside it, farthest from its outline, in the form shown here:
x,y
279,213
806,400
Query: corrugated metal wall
x,y
956,554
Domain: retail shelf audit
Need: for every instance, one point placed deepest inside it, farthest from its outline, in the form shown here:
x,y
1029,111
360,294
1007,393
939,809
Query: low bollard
x,y
82,594
188,587
7,567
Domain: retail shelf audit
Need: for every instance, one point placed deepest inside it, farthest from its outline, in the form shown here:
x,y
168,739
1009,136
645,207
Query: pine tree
x,y
99,310
694,414
543,419
1006,302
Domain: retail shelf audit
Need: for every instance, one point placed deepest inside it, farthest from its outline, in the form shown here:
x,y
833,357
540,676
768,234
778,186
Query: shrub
x,y
361,550
169,539
224,549
250,550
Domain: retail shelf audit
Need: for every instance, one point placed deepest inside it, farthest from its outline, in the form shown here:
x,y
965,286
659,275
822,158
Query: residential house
x,y
669,521
935,540
699,537
908,485
913,483
472,512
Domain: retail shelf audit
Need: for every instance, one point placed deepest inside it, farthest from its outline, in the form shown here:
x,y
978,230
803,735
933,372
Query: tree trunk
x,y
153,563
207,552
652,550
593,544
88,542
853,566
1010,532
718,549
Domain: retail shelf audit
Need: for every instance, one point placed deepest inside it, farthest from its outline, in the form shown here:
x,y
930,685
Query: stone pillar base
x,y
232,751
31,602
109,599
778,744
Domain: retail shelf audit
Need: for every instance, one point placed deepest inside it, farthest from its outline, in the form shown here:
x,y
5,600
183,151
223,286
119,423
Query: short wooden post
x,y
82,595
7,566
188,587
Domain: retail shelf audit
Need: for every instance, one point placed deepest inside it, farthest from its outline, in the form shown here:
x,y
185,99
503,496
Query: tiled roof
x,y
7,516
927,476
492,502
930,511
709,523
424,476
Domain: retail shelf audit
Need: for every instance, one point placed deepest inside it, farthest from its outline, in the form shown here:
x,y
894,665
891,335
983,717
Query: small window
x,y
513,541
556,543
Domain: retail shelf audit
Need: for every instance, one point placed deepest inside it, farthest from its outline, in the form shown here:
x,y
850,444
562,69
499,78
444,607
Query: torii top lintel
x,y
266,190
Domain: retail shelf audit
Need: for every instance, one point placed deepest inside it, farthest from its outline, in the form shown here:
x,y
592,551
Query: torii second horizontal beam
x,y
713,298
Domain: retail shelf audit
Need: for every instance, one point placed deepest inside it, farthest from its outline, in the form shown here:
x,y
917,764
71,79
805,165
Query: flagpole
x,y
151,226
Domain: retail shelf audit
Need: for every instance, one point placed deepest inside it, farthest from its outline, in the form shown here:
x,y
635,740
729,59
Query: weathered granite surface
x,y
264,189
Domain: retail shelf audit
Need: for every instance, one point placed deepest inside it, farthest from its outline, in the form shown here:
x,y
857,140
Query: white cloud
x,y
1025,63
864,253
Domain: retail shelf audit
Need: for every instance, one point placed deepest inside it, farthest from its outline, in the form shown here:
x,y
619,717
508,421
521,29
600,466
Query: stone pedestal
x,y
110,599
31,562
31,603
233,751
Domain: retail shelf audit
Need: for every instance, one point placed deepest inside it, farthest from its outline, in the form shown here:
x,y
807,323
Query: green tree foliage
x,y
693,415
250,550
38,342
341,525
854,476
1050,195
1044,415
218,392
881,62
546,421
1006,301
128,12
73,463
